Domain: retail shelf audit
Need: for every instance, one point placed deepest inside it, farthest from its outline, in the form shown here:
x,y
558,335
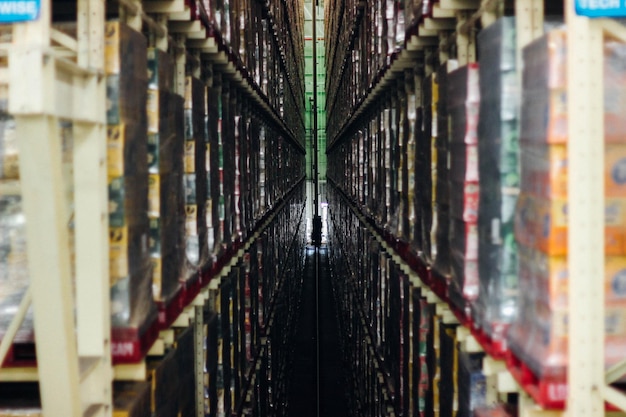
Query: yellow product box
x,y
112,40
125,51
115,150
154,195
190,156
118,254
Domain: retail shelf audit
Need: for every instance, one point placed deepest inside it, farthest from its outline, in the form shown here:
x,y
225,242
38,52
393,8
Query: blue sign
x,y
12,11
601,8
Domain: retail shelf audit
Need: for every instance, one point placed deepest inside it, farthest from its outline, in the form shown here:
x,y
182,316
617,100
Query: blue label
x,y
601,8
19,10
618,283
619,172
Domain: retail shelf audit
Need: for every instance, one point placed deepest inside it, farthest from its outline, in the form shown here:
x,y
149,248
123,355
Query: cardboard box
x,y
125,51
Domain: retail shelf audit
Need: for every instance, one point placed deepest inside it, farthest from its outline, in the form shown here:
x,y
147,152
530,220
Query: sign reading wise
x,y
12,11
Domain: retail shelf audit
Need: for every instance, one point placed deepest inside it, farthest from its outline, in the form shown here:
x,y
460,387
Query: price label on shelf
x,y
601,8
12,11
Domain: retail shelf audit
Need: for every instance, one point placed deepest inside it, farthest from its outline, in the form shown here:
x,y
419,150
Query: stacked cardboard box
x,y
165,165
14,278
541,217
464,98
499,177
130,269
195,178
440,232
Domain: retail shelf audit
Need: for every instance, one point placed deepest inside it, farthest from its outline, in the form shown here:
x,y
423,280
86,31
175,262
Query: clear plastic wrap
x,y
499,172
132,305
14,277
539,335
195,179
463,105
166,192
9,161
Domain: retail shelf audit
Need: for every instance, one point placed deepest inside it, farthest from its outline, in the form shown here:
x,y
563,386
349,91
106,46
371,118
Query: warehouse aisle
x,y
302,396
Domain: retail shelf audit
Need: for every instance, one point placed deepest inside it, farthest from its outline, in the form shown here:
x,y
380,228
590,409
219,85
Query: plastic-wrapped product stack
x,y
539,334
499,172
132,305
464,100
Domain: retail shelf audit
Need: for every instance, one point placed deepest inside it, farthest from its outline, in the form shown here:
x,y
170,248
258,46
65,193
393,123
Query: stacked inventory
x,y
273,62
132,306
440,229
539,333
402,355
464,101
367,37
236,358
195,178
165,164
14,275
499,178
191,182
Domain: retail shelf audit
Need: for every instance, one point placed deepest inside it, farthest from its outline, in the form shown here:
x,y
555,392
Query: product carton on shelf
x,y
544,307
166,200
195,178
9,153
130,271
463,98
539,334
14,277
499,172
131,399
163,375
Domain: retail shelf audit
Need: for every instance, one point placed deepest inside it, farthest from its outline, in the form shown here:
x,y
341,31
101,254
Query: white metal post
x,y
586,215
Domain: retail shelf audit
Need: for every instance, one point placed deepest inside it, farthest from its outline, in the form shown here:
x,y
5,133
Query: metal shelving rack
x,y
588,389
49,83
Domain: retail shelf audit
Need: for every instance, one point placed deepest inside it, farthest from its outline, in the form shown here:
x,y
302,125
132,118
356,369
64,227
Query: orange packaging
x,y
549,276
615,227
541,224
